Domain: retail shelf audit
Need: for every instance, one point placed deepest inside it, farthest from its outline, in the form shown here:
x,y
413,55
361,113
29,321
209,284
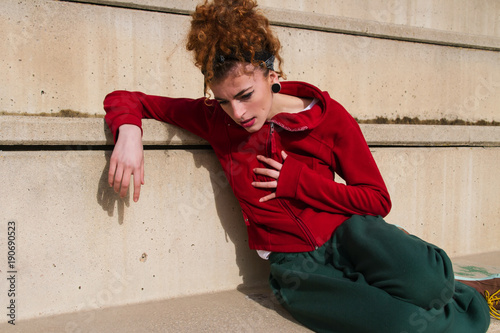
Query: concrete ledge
x,y
30,130
431,135
350,26
334,24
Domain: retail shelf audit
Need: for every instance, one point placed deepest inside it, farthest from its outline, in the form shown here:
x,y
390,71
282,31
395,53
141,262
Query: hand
x,y
126,160
272,172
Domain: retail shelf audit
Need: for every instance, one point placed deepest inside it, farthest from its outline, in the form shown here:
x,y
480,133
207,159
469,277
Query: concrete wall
x,y
81,247
479,18
68,55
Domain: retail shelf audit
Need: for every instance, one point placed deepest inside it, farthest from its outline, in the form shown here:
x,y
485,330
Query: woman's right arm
x,y
124,113
130,107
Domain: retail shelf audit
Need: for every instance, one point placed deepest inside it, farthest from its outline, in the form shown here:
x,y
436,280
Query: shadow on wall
x,y
107,198
253,269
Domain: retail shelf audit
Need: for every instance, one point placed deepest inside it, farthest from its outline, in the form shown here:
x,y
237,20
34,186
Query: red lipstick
x,y
248,123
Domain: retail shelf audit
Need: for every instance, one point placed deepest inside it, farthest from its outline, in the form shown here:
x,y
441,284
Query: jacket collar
x,y
304,120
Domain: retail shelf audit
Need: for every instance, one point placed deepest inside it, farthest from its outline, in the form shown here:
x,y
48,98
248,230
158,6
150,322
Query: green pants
x,y
371,277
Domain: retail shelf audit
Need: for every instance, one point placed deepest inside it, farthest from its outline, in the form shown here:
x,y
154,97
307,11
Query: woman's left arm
x,y
364,193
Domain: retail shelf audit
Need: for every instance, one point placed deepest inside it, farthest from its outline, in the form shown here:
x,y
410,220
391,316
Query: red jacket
x,y
319,142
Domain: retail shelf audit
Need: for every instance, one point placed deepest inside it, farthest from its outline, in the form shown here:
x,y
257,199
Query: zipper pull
x,y
273,142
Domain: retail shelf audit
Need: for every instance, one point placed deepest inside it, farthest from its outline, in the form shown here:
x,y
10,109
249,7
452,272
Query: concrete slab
x,y
33,130
81,246
472,19
245,310
443,195
65,55
494,326
187,216
253,310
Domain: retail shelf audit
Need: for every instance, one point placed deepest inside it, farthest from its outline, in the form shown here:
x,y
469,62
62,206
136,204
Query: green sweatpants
x,y
371,277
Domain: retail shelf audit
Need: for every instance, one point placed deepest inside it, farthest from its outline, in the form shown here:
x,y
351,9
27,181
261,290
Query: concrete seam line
x,y
420,40
131,5
340,25
85,146
375,29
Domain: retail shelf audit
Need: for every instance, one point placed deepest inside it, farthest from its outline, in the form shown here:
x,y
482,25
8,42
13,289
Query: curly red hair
x,y
233,29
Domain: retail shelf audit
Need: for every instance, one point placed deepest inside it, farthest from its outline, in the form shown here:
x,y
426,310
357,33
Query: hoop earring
x,y
276,88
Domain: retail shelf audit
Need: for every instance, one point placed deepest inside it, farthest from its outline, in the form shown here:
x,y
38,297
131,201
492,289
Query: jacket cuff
x,y
122,120
289,178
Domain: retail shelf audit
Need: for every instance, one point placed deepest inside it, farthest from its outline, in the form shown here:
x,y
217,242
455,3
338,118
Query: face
x,y
245,95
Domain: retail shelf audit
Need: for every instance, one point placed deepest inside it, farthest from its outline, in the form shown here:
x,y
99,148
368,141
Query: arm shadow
x,y
253,269
106,197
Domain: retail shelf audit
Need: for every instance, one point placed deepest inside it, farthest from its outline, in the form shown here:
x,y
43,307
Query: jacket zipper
x,y
272,142
301,225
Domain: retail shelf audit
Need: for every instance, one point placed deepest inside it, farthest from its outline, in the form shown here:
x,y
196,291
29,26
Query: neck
x,y
288,104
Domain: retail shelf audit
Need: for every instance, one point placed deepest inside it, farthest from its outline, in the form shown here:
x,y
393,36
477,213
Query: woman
x,y
335,264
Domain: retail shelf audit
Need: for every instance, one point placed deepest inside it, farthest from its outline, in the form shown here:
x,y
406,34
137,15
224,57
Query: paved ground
x,y
234,311
231,311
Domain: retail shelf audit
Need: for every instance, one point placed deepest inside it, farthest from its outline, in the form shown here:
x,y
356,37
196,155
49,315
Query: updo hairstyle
x,y
226,32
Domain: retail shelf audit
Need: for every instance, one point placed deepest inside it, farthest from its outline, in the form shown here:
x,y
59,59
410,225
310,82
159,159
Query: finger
x,y
125,183
111,173
267,172
272,184
117,178
137,184
284,155
269,161
268,197
142,172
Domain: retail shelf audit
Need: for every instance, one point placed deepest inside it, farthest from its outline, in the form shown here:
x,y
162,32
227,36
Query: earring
x,y
276,88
